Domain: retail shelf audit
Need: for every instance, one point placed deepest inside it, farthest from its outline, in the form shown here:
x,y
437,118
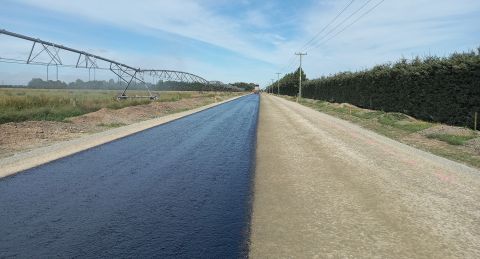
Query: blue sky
x,y
243,40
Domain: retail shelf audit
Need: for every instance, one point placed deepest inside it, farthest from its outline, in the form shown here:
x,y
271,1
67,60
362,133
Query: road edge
x,y
39,156
449,163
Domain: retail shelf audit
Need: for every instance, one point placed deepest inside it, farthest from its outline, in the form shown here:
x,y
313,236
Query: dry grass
x,y
21,104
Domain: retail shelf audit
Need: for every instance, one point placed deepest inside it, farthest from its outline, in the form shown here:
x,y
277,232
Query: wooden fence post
x,y
475,121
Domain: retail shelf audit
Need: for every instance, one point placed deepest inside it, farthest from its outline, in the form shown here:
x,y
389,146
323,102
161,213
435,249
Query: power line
x,y
345,20
321,40
342,22
289,64
292,59
300,54
349,25
326,26
278,83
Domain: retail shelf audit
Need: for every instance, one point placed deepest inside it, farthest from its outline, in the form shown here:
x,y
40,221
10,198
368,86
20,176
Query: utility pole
x,y
278,83
300,75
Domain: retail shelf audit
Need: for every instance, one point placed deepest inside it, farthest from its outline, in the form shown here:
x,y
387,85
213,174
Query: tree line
x,y
245,86
438,89
38,83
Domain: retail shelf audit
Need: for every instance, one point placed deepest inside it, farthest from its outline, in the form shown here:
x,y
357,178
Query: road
x,y
180,190
325,188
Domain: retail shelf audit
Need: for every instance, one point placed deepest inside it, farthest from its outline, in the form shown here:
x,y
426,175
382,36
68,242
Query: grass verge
x,y
451,139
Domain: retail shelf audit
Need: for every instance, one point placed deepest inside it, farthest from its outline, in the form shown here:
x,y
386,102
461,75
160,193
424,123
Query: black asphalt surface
x,y
181,190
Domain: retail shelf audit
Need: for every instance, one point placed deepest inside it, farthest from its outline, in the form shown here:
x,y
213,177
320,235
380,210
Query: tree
x,y
50,84
289,83
244,86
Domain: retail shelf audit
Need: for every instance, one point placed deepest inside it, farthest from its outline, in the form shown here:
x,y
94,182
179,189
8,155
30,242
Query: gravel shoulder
x,y
326,188
27,159
459,144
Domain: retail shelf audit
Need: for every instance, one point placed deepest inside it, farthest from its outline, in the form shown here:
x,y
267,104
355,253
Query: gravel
x,y
326,188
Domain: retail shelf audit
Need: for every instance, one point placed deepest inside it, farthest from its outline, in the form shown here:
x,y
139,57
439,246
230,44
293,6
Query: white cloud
x,y
185,18
396,28
257,18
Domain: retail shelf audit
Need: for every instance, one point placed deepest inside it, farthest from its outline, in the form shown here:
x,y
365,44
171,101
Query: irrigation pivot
x,y
50,54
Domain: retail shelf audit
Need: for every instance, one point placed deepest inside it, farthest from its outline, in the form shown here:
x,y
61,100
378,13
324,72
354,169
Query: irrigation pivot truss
x,y
50,54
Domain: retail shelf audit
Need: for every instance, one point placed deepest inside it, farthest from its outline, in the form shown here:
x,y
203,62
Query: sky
x,y
238,40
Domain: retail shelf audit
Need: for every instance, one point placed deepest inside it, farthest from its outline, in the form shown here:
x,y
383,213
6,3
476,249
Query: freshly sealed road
x,y
182,189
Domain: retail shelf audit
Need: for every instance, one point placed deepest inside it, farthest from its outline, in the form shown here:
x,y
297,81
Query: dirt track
x,y
327,188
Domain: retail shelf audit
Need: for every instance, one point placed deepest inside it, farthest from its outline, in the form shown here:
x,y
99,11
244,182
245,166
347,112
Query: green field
x,y
20,104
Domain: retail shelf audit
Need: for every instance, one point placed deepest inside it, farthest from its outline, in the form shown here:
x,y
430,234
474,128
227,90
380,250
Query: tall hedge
x,y
445,90
288,84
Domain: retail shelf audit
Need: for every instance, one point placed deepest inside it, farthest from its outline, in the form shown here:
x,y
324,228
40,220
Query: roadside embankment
x,y
25,160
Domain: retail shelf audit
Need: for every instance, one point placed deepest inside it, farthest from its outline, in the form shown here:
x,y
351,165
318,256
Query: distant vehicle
x,y
256,89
